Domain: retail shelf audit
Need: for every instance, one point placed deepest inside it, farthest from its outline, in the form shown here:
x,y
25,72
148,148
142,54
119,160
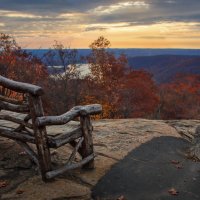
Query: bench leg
x,y
44,157
87,145
43,153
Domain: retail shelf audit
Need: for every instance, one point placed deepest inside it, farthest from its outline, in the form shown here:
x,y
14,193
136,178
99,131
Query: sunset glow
x,y
127,24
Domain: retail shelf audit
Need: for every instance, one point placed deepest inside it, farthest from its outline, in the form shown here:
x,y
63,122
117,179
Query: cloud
x,y
77,17
14,14
95,28
170,1
101,11
140,9
52,6
119,6
149,12
152,37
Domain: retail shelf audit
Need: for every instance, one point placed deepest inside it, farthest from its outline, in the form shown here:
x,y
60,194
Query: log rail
x,y
70,115
21,87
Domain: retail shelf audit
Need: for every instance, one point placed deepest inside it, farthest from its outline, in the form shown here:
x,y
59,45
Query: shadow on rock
x,y
150,172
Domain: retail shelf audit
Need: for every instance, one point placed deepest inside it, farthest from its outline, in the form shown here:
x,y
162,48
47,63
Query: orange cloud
x,y
121,35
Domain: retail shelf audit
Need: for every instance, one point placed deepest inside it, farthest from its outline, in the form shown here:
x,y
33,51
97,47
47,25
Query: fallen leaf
x,y
22,153
19,191
179,166
175,162
121,198
3,184
173,191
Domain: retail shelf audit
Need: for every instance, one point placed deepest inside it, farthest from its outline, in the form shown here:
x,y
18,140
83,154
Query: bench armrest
x,y
70,115
21,87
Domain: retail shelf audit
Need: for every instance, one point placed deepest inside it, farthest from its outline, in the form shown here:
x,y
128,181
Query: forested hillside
x,y
122,88
165,67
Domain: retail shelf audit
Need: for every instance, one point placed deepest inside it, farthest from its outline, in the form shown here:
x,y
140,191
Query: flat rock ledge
x,y
113,140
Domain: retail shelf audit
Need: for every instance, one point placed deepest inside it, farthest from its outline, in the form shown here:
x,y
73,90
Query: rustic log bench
x,y
22,119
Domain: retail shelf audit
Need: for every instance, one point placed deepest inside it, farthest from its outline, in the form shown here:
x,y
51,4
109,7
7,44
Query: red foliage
x,y
123,92
16,63
138,95
19,65
180,99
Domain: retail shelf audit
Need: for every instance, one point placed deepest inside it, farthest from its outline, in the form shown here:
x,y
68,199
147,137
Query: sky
x,y
126,23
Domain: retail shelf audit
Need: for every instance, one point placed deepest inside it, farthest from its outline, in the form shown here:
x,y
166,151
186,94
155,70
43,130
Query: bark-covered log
x,y
27,118
55,142
9,133
13,107
67,167
87,146
57,120
70,115
72,156
40,136
92,109
21,87
29,151
16,120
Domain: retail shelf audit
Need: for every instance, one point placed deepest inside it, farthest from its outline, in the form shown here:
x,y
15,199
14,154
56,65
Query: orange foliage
x,y
180,99
122,92
17,64
138,95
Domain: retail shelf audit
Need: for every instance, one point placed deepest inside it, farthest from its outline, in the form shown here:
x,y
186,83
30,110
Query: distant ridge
x,y
163,64
129,52
165,67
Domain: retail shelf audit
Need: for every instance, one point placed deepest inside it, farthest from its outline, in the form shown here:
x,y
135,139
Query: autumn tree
x,y
123,92
19,65
106,74
180,99
139,95
65,80
61,89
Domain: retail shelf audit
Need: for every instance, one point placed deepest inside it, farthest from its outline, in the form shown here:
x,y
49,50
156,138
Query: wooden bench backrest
x,y
25,99
29,101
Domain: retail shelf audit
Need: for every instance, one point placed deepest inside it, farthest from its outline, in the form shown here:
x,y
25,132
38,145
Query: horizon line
x,y
118,48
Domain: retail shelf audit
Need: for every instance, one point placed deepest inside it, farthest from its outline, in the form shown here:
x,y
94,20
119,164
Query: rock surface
x,y
113,140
